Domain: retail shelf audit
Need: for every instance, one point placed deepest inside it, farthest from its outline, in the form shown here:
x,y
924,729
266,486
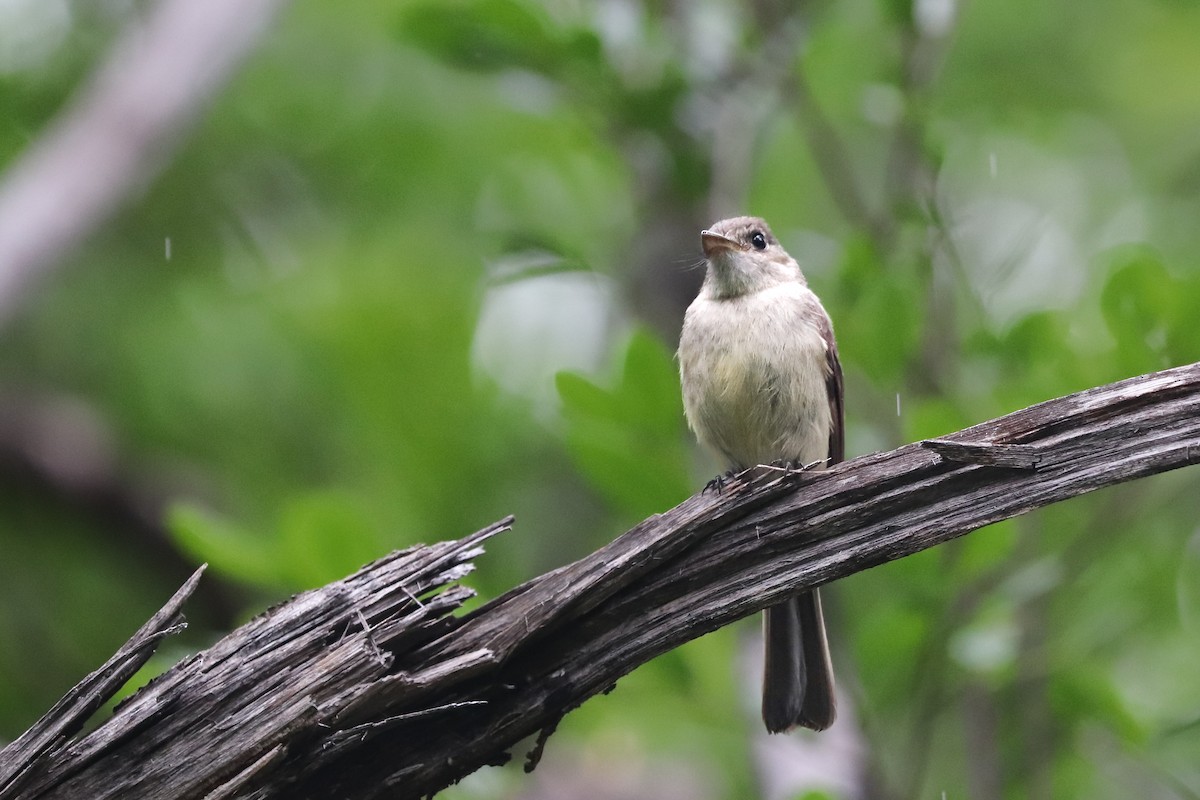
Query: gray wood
x,y
69,714
369,688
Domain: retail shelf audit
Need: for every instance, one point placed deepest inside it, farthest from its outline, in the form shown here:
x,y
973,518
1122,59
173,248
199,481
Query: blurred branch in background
x,y
119,132
367,688
831,156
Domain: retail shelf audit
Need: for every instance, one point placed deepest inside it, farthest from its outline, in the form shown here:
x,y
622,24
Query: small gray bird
x,y
762,383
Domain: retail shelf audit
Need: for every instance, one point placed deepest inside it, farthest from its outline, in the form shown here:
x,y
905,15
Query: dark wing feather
x,y
834,389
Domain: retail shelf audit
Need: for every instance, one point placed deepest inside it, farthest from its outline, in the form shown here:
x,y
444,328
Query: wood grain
x,y
369,687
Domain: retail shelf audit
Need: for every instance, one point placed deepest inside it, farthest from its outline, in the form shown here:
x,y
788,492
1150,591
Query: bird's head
x,y
745,257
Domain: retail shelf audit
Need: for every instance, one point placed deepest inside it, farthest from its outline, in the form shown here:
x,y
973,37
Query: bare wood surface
x,y
1013,456
368,688
68,716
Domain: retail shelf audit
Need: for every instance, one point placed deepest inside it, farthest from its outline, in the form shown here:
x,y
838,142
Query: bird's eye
x,y
758,240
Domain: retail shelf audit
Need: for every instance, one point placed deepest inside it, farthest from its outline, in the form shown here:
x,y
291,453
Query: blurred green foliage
x,y
627,441
423,264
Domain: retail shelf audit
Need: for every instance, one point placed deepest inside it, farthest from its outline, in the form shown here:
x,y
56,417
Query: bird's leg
x,y
717,484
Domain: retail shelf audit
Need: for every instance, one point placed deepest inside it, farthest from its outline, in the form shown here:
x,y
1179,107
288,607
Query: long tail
x,y
798,674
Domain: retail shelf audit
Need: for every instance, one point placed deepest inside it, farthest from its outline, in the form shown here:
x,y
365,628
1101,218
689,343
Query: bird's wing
x,y
835,391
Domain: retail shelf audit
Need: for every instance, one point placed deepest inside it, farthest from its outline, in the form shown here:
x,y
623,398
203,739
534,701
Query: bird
x,y
762,383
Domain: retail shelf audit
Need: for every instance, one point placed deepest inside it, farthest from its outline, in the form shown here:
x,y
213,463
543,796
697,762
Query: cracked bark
x,y
369,687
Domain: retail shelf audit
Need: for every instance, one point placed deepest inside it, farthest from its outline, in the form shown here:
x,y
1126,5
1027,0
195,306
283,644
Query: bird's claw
x,y
717,484
790,465
784,465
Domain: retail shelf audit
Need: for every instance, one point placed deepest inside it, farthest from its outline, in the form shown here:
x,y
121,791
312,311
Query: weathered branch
x,y
71,712
367,688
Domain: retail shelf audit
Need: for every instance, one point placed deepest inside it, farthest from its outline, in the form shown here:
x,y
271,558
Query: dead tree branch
x,y
71,712
369,688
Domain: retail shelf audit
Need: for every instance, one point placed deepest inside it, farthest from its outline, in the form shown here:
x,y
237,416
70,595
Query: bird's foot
x,y
792,465
717,484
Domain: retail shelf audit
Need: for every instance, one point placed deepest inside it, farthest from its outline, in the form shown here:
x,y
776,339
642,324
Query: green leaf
x,y
1139,302
1087,693
484,36
320,536
581,397
651,384
629,440
880,335
239,553
324,536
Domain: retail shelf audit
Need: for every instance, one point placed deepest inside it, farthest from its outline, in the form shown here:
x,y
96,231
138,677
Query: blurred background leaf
x,y
627,440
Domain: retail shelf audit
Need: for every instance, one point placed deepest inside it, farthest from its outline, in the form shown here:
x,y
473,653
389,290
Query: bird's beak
x,y
712,242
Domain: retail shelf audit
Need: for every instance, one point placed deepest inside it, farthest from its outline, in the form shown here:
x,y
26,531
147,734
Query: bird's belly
x,y
762,401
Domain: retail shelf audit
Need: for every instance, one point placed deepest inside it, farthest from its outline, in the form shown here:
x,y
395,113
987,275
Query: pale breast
x,y
754,372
